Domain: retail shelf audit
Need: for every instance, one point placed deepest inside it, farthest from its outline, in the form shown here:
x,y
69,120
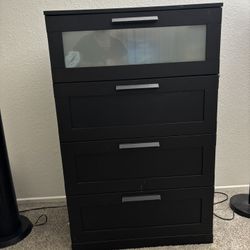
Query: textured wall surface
x,y
27,103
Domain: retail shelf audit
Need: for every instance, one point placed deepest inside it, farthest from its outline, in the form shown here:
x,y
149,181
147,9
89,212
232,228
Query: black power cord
x,y
45,220
40,208
221,201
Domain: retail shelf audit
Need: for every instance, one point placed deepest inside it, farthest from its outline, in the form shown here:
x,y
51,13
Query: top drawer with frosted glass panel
x,y
134,43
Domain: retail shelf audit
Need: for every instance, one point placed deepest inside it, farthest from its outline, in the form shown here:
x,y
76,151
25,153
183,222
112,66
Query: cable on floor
x,y
42,217
38,223
222,201
40,208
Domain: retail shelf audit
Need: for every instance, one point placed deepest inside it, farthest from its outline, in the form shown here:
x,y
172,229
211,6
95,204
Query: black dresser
x,y
136,100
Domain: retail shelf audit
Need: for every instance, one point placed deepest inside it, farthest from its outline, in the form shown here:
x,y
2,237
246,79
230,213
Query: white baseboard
x,y
63,197
232,186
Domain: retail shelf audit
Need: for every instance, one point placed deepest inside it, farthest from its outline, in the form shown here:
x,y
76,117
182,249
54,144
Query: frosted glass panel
x,y
134,46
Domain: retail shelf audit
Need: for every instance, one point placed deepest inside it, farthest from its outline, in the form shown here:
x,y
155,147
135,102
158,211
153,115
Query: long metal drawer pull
x,y
140,145
137,86
135,19
153,197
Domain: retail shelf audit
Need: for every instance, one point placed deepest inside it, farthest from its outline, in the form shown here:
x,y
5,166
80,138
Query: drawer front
x,y
150,107
134,44
138,164
140,215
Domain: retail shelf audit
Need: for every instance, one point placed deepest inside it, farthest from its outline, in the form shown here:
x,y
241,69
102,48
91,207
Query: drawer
x,y
141,214
138,164
134,44
136,108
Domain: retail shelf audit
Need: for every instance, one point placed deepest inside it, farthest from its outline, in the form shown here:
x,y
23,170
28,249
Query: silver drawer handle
x,y
137,86
135,19
139,145
151,197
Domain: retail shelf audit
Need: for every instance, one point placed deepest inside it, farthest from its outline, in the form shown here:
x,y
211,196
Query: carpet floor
x,y
228,235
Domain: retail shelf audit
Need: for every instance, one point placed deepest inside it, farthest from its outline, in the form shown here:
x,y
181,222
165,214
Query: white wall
x,y
28,109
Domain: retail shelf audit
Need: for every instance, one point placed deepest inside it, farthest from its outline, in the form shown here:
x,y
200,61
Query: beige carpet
x,y
228,235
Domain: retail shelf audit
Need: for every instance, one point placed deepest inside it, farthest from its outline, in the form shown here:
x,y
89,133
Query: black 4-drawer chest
x,y
136,100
